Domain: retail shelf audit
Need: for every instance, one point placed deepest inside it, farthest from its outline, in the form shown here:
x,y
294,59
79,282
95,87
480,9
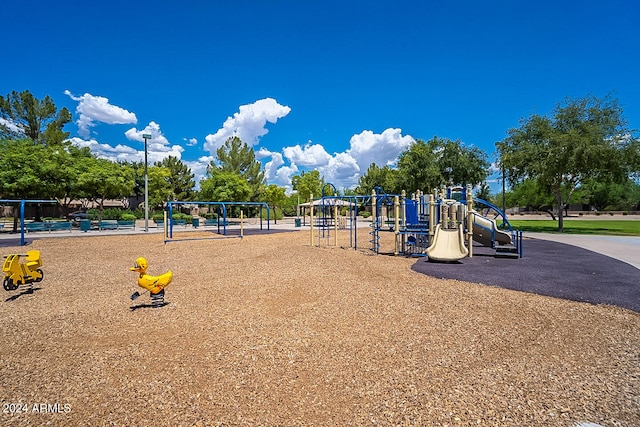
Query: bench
x,y
35,226
108,224
48,226
121,223
58,226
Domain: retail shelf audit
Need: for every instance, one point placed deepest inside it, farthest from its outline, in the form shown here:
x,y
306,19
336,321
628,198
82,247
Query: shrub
x,y
181,216
127,217
365,214
111,213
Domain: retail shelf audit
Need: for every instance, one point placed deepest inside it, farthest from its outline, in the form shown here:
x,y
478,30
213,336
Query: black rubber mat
x,y
548,268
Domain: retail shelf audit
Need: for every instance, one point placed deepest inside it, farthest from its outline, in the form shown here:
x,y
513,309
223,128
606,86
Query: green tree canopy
x,y
159,188
440,161
224,186
23,170
308,183
237,157
603,195
460,164
103,179
418,168
584,138
530,194
180,178
275,197
384,177
38,120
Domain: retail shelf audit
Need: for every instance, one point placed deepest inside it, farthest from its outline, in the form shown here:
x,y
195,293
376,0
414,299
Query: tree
x,y
611,196
103,179
21,167
39,121
180,178
385,177
159,188
484,192
67,163
237,157
224,186
308,183
528,193
459,164
584,138
428,165
275,197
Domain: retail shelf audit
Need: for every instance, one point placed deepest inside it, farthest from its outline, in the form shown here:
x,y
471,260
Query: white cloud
x,y
275,171
157,142
494,168
382,149
283,177
248,123
93,109
190,142
158,147
11,126
198,169
263,153
106,151
308,156
344,169
271,167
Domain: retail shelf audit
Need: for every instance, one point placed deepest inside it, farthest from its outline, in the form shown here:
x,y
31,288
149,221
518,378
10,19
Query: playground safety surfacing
x,y
548,268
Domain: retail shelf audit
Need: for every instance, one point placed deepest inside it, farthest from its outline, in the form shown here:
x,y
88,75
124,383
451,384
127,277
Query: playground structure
x,y
21,204
441,226
221,222
154,284
22,269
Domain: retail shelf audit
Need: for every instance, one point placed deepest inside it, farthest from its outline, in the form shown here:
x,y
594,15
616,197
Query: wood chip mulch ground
x,y
267,330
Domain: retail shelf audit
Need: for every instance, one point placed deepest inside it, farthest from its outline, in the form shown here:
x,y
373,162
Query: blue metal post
x,y
22,222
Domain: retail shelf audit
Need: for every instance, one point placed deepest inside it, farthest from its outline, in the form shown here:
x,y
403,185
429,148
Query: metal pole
x,y
21,222
396,214
311,220
146,184
504,200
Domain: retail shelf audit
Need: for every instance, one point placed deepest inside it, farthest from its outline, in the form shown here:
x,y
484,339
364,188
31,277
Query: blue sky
x,y
327,85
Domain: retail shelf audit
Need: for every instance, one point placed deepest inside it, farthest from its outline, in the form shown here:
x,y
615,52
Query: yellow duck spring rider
x,y
18,273
154,284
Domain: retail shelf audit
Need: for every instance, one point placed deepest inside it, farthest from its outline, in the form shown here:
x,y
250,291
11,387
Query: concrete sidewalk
x,y
623,248
8,238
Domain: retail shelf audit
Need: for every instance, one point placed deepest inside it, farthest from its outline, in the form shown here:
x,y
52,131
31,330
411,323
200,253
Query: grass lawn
x,y
581,226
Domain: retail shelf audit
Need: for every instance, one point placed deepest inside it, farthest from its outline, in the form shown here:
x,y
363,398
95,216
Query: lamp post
x,y
146,136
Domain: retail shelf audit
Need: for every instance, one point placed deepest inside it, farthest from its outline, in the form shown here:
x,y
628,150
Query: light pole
x,y
146,136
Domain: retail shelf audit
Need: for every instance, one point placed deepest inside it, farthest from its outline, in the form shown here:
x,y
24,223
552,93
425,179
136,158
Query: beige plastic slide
x,y
448,245
482,227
